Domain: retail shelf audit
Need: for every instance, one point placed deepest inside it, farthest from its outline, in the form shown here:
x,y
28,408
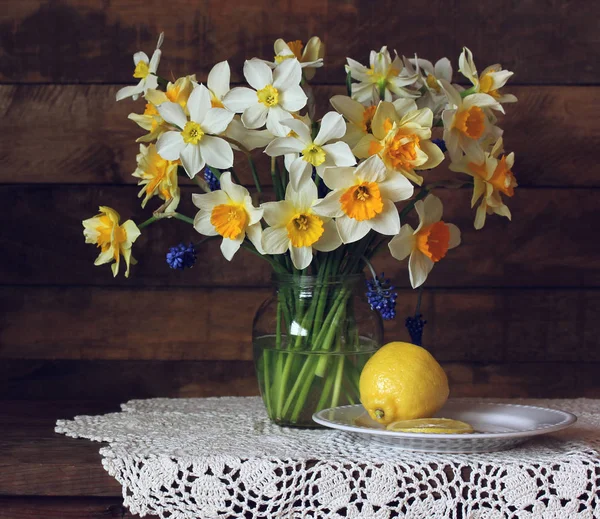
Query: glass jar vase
x,y
311,339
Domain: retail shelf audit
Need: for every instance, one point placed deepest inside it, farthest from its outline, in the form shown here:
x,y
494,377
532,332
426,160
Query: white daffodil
x,y
426,245
295,226
302,152
402,140
193,142
466,123
492,178
229,212
249,139
178,92
309,56
276,94
363,199
491,80
384,76
433,97
145,71
357,115
217,82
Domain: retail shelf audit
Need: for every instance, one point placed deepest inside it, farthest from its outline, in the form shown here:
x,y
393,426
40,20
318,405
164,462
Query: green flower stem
x,y
182,217
235,177
337,385
468,91
276,179
254,174
420,195
267,377
148,222
325,393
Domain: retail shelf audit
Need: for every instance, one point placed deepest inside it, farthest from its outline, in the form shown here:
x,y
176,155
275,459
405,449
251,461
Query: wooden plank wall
x,y
514,311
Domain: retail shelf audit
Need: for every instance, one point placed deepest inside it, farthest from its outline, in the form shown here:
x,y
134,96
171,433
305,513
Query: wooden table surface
x,y
47,475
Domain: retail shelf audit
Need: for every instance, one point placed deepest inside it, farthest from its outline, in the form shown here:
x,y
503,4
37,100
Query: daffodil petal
x,y
258,74
275,240
340,154
202,224
396,187
284,146
140,56
208,201
274,117
330,205
235,192
170,145
332,127
304,196
301,256
339,178
419,267
363,149
388,221
254,234
429,210
219,78
277,213
293,99
351,230
192,159
199,103
330,239
454,236
255,116
404,106
238,99
300,172
300,128
287,75
372,170
229,247
402,244
173,114
130,91
217,120
216,152
349,108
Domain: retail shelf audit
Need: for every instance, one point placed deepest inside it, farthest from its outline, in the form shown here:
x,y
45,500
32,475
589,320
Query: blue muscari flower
x,y
381,297
415,326
211,179
181,256
441,144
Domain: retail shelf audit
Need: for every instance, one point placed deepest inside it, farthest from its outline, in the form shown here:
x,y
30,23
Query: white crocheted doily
x,y
222,458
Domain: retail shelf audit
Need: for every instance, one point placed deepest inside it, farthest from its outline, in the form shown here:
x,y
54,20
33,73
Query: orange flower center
x,y
502,179
229,220
362,201
150,109
296,47
433,241
401,151
110,235
305,229
470,122
368,115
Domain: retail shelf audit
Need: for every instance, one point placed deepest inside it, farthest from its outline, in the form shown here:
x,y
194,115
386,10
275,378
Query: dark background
x,y
512,312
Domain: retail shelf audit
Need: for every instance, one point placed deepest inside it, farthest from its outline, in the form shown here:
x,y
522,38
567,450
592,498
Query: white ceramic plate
x,y
496,426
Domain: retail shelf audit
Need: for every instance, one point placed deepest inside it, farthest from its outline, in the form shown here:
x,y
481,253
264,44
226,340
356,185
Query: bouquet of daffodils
x,y
337,178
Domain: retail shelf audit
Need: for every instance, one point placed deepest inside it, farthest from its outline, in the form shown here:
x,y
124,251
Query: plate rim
x,y
568,420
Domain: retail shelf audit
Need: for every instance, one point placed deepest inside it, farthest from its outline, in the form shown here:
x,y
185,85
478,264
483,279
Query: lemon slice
x,y
431,426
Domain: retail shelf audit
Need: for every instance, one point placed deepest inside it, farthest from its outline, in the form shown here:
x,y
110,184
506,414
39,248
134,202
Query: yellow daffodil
x,y
302,152
467,124
229,212
295,226
401,137
145,71
310,55
492,178
194,140
358,116
426,245
158,177
113,239
491,80
274,95
384,75
151,120
362,198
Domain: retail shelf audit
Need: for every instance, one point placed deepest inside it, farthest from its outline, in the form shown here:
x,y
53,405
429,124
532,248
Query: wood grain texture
x,y
545,244
119,381
63,508
529,37
80,323
80,134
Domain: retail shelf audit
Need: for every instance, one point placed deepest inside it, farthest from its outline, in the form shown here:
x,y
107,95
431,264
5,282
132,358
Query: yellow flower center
x,y
313,154
150,110
470,122
304,229
110,235
268,96
141,70
192,133
172,93
230,220
401,151
158,173
485,85
362,201
433,241
502,179
296,48
368,115
432,83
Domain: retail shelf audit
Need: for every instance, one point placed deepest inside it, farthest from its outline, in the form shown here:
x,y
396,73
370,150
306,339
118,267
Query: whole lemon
x,y
402,381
